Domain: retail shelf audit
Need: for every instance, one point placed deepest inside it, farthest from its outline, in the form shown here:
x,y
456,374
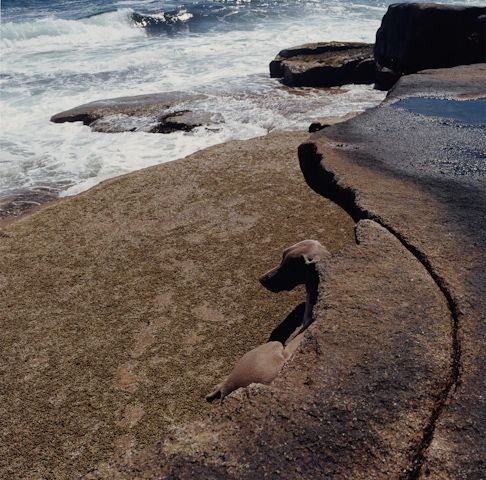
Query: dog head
x,y
293,269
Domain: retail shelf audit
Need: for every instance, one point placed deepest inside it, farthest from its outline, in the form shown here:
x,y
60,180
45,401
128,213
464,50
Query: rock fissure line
x,y
325,183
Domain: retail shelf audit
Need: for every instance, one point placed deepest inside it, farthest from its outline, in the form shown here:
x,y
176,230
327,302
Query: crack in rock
x,y
324,182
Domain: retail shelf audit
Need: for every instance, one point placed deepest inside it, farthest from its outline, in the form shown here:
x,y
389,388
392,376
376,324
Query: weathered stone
x,y
121,307
154,113
385,78
421,175
353,401
20,202
325,64
316,126
415,36
185,121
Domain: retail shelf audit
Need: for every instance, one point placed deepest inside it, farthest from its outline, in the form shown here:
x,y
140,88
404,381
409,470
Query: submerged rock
x,y
154,113
415,37
185,120
325,64
17,203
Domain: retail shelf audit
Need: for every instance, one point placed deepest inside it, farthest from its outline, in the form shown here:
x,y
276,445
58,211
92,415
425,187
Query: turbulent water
x,y
60,54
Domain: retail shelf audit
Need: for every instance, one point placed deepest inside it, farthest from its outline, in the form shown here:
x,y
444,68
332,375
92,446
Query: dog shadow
x,y
289,325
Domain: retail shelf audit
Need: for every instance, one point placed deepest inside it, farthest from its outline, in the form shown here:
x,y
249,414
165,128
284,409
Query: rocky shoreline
x,y
125,304
440,219
388,382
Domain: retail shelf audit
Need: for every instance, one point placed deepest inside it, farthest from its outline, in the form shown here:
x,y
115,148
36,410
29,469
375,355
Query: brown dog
x,y
298,267
263,363
260,365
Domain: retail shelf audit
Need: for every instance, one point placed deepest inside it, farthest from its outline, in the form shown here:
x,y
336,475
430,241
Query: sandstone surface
x,y
420,174
353,400
389,380
122,307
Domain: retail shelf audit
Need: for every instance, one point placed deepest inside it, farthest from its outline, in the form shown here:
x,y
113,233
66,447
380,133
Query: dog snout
x,y
271,281
278,280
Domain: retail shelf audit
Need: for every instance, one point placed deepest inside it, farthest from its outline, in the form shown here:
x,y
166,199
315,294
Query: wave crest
x,y
116,25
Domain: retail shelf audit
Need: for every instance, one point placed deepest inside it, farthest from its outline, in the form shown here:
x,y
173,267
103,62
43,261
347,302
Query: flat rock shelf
x,y
152,113
122,307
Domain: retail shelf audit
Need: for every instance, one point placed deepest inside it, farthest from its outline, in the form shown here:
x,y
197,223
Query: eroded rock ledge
x,y
389,380
353,402
154,113
123,306
421,176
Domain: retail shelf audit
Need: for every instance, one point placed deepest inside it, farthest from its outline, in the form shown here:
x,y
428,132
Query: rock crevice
x,y
416,169
324,182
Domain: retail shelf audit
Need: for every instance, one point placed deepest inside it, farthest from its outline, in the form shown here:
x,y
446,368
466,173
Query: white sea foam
x,y
44,34
50,65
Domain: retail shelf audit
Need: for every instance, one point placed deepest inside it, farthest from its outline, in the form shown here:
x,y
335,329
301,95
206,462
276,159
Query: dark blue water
x,y
204,13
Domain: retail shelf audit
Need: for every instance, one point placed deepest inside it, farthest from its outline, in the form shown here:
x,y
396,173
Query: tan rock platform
x,y
123,304
122,307
351,403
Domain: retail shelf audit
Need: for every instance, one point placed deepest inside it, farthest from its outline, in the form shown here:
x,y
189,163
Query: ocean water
x,y
56,55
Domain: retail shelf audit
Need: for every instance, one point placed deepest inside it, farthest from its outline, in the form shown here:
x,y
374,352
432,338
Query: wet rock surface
x,y
422,177
154,113
20,202
325,64
416,36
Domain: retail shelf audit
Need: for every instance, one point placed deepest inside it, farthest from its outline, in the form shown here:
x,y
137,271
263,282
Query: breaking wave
x,y
115,25
57,54
124,23
169,23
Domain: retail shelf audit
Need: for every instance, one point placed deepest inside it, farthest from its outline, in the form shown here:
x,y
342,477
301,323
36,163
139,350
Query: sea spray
x,y
57,55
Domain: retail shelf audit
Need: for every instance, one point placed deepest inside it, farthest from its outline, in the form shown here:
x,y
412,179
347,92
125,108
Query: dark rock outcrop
x,y
316,126
185,121
416,36
154,113
385,78
325,122
325,64
416,166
